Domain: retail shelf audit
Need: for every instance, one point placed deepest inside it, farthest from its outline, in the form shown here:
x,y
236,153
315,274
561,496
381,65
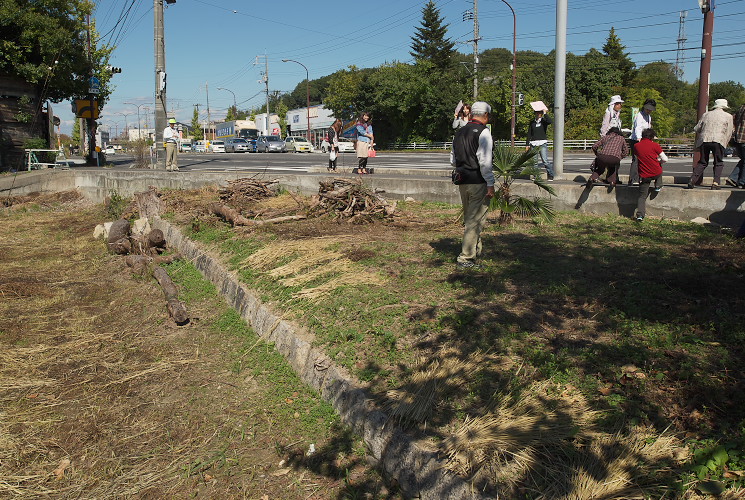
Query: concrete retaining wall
x,y
726,206
419,473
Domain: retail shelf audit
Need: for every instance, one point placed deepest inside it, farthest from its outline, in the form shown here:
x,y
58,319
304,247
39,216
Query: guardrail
x,y
670,148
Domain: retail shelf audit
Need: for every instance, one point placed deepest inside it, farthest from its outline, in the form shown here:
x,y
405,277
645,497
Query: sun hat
x,y
720,103
480,108
650,104
172,120
615,99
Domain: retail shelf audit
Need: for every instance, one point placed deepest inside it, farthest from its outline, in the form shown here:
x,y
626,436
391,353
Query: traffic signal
x,y
520,99
114,69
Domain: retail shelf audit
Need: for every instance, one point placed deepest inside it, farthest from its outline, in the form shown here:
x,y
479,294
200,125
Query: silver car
x,y
270,144
236,145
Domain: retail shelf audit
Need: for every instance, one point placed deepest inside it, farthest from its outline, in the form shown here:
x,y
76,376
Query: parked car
x,y
345,145
185,147
110,150
236,145
270,143
297,144
217,146
200,147
730,152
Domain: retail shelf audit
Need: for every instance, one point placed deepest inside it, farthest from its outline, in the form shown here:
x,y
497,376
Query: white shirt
x,y
642,121
170,134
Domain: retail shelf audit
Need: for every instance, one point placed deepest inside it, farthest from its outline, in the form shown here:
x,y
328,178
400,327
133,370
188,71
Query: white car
x,y
110,150
345,145
217,146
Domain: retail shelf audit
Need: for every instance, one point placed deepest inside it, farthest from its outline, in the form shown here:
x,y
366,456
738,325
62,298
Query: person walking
x,y
365,141
538,138
472,157
333,135
170,137
650,157
609,151
713,132
642,121
737,177
612,117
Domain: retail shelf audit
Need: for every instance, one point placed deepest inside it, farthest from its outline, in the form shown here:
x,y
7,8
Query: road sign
x,y
94,85
82,108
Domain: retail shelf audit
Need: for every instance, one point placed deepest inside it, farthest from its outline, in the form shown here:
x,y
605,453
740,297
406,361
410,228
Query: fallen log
x,y
175,307
236,219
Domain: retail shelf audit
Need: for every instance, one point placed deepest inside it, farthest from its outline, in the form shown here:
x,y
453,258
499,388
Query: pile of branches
x,y
248,189
351,200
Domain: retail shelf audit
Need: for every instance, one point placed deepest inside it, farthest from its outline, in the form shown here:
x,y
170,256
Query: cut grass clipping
x,y
310,261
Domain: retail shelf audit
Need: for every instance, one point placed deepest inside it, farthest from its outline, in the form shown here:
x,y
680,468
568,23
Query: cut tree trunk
x,y
148,203
118,240
176,308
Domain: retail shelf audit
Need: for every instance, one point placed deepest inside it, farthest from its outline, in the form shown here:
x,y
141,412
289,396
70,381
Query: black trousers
x,y
708,149
603,162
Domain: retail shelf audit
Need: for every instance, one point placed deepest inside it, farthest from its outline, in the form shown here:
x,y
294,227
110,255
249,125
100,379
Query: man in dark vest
x,y
472,158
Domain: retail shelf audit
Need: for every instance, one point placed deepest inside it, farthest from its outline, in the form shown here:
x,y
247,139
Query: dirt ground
x,y
103,396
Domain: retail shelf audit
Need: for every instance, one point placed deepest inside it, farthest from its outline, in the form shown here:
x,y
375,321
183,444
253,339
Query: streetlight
x,y
307,91
126,124
514,71
235,106
139,123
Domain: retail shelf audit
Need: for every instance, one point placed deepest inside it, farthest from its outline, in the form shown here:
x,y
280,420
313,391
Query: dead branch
x,y
251,189
175,307
229,214
351,200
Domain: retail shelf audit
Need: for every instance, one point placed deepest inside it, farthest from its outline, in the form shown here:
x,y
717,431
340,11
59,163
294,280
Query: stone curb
x,y
419,473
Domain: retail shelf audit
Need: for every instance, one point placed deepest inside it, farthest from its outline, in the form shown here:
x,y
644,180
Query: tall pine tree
x,y
196,128
614,49
430,43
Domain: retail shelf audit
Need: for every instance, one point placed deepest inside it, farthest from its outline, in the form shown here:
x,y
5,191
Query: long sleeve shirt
x,y
612,145
170,135
715,126
611,119
642,121
538,131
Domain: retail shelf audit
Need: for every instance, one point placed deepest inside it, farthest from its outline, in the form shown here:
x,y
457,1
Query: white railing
x,y
677,149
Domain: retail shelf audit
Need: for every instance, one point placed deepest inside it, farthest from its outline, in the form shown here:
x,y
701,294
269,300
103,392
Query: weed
x,y
116,204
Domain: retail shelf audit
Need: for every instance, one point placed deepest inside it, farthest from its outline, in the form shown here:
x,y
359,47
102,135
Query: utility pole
x,y
560,84
91,122
514,72
266,81
160,80
707,8
680,55
209,117
475,49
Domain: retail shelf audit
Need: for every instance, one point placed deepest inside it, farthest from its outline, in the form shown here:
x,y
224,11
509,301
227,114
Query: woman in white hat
x,y
612,116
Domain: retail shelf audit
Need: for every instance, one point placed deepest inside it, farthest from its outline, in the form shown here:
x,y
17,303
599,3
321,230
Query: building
x,y
134,134
274,127
320,121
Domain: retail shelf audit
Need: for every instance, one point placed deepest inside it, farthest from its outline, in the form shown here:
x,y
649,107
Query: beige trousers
x,y
171,156
475,206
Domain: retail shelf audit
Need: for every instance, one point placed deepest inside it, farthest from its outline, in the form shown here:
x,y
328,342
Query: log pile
x,y
351,200
246,188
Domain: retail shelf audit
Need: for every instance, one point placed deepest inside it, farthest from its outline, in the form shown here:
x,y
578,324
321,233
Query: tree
x,y
614,49
344,97
231,114
430,43
196,127
76,132
44,42
734,92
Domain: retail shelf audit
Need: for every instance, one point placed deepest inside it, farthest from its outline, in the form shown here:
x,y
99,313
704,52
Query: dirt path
x,y
102,396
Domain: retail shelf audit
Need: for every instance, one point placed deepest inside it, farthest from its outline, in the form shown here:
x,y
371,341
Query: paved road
x,y
574,163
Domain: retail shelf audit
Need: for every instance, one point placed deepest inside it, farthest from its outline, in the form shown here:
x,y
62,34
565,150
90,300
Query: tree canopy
x,y
45,42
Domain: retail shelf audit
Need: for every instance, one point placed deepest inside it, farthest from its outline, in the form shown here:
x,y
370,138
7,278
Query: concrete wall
x,y
726,206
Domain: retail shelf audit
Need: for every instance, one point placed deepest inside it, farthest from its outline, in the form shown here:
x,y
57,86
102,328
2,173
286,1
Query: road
x,y
574,163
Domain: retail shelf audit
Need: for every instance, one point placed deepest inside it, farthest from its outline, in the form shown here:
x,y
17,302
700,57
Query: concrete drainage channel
x,y
417,472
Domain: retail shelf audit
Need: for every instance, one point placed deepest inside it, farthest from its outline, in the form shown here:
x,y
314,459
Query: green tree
x,y
734,92
231,114
614,49
44,42
662,118
196,128
430,43
344,97
281,110
76,132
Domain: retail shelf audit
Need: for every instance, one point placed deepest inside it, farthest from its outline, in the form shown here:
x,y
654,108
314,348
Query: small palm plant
x,y
509,164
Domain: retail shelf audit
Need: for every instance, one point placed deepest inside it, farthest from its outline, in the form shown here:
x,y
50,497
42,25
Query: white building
x,y
134,134
320,121
274,128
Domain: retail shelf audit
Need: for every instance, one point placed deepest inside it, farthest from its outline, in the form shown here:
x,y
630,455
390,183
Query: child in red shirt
x,y
650,157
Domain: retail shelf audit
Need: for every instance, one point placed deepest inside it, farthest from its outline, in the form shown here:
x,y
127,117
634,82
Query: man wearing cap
x,y
472,158
713,132
170,137
642,121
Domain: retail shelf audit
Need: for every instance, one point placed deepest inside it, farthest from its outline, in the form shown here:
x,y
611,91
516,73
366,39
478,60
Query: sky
x,y
214,44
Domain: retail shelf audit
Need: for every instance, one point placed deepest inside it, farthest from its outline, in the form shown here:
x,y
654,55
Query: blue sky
x,y
215,42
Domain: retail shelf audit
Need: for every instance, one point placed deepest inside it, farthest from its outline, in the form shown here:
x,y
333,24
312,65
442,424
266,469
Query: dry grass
x,y
311,261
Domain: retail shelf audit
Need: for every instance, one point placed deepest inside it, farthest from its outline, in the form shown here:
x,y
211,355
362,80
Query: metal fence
x,y
670,146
